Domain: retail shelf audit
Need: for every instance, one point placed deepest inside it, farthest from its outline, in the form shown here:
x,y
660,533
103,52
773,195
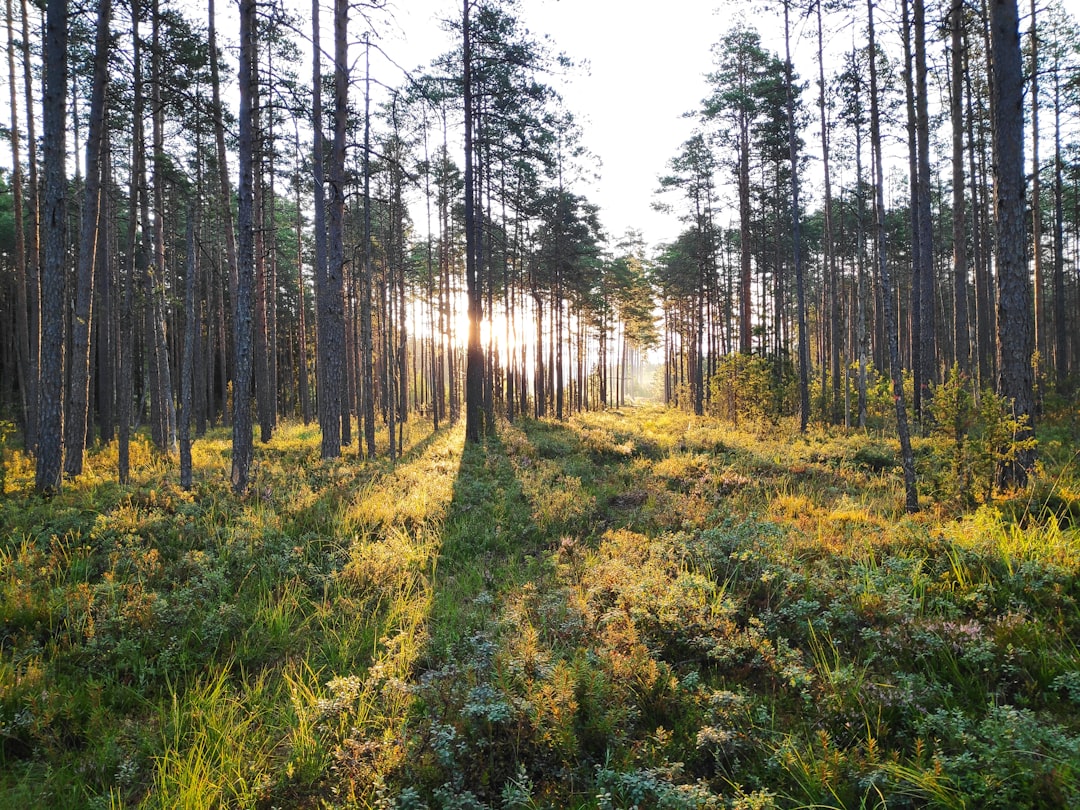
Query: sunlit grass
x,y
632,606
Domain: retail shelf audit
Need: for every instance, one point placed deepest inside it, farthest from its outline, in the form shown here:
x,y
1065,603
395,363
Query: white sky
x,y
645,68
642,68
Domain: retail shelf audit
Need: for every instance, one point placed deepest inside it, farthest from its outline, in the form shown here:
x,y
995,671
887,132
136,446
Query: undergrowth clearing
x,y
630,608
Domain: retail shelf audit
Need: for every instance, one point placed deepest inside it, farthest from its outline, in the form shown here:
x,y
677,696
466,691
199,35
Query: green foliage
x,y
756,389
952,408
636,608
1010,757
980,436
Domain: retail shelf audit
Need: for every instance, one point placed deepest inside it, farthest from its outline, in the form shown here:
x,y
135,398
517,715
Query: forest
x,y
347,460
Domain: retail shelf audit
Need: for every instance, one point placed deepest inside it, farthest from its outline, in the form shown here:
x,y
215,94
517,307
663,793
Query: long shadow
x,y
488,540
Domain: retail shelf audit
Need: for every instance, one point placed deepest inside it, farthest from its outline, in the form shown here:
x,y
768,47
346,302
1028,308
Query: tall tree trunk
x,y
474,364
983,287
328,406
224,188
163,414
830,252
961,340
927,288
27,378
54,224
187,363
745,256
302,361
264,393
33,248
333,309
796,238
860,247
1036,201
907,458
105,291
243,328
1061,343
367,368
126,364
914,344
270,150
1014,342
77,410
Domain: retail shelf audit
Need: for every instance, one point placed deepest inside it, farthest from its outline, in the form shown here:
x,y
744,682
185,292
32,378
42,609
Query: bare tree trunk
x,y
54,224
745,256
367,370
271,264
126,364
328,405
332,307
796,239
927,289
474,369
830,252
243,327
27,377
224,190
264,394
1061,343
1014,342
961,340
33,248
162,413
187,363
914,344
77,410
983,286
907,458
302,363
105,291
1036,201
860,247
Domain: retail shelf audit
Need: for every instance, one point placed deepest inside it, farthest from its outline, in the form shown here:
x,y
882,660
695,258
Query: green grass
x,y
630,608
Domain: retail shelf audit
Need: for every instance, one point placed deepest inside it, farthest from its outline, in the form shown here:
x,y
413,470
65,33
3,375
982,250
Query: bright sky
x,y
645,68
642,68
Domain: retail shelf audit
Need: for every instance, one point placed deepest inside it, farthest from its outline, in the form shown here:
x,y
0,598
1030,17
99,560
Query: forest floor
x,y
634,608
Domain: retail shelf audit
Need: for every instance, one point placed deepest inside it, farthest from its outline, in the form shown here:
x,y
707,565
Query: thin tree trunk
x,y
1036,201
367,368
243,326
126,364
187,363
983,292
830,252
796,239
33,249
914,344
474,368
27,378
163,415
328,405
302,363
105,290
334,304
1061,344
961,340
264,393
927,288
911,500
224,189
